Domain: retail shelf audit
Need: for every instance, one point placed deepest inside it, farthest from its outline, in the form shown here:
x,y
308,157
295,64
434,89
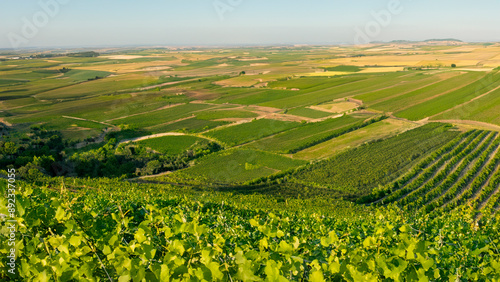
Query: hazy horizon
x,y
72,24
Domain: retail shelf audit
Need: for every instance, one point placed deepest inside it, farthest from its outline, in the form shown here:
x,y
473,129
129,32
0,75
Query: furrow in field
x,y
493,183
456,179
422,194
477,175
479,198
426,167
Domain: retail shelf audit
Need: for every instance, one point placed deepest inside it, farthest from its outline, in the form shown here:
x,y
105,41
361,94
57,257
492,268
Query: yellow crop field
x,y
338,107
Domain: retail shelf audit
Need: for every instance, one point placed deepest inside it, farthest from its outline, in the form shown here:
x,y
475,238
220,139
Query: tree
x,y
64,70
9,148
453,65
151,167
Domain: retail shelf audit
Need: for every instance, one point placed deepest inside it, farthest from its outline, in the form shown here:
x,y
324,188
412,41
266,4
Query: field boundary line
x,y
84,119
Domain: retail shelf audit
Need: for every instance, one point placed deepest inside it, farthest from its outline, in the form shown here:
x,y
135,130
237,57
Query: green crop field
x,y
107,85
377,162
343,68
254,130
484,109
306,135
290,243
306,112
162,116
398,89
171,145
426,93
191,125
449,100
370,133
237,166
213,115
313,97
359,170
85,75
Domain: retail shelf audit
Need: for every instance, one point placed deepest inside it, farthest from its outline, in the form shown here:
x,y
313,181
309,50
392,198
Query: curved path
x,y
137,139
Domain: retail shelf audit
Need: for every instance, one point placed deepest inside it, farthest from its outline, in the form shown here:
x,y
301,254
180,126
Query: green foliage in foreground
x,y
115,232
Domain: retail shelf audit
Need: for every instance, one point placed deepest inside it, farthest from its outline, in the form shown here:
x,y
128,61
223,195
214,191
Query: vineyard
x,y
463,172
357,171
310,134
234,166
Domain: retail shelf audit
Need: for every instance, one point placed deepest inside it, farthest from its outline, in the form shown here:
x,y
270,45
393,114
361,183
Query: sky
x,y
98,23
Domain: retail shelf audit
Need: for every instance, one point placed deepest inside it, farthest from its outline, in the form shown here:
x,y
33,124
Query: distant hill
x,y
442,40
445,39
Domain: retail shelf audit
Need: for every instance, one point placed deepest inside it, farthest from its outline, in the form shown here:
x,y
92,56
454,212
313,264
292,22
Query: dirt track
x,y
83,119
5,122
152,136
163,135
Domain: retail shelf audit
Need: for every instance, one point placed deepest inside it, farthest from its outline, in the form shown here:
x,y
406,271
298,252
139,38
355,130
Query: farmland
x,y
236,166
358,168
251,131
171,145
465,171
285,163
370,133
307,135
449,100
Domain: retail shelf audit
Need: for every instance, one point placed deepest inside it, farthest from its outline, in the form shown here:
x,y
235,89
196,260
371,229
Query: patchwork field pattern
x,y
378,162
